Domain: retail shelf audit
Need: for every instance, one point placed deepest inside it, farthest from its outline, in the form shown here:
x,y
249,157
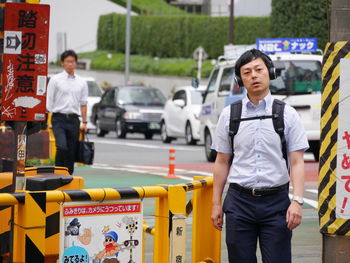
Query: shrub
x,y
177,36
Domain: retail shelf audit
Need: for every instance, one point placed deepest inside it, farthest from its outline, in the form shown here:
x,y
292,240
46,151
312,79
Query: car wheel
x,y
188,135
120,129
164,136
209,153
148,135
99,131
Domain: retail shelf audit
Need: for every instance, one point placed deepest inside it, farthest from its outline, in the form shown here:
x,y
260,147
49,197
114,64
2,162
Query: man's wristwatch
x,y
84,122
298,199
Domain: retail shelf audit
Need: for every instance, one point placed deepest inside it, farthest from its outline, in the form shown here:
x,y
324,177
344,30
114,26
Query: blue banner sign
x,y
295,45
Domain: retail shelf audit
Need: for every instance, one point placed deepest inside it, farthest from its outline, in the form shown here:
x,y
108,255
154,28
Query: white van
x,y
299,85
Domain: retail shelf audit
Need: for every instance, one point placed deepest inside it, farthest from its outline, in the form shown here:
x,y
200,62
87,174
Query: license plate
x,y
154,125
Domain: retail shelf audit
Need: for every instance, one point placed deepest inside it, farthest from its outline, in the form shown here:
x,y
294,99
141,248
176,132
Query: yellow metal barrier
x,y
170,201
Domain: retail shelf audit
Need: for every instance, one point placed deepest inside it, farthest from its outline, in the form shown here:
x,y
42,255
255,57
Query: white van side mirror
x,y
179,103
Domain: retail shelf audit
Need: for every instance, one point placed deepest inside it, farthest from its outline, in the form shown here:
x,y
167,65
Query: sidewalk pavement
x,y
306,242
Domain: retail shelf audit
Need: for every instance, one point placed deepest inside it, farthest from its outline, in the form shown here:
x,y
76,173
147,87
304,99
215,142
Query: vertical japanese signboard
x,y
101,232
343,155
26,34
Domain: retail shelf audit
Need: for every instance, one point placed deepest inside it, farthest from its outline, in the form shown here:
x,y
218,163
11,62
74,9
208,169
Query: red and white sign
x,y
343,149
26,35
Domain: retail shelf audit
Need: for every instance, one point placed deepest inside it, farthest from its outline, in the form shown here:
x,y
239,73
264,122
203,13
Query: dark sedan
x,y
129,109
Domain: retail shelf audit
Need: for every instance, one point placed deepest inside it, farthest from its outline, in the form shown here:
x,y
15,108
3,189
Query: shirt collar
x,y
68,76
264,104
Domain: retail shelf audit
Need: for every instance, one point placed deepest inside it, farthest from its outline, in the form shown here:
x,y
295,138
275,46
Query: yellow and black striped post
x,y
335,230
29,230
5,215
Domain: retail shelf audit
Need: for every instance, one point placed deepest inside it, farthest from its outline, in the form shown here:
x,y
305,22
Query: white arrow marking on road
x,y
149,146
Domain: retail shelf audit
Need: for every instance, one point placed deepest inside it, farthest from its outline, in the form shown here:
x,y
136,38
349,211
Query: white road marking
x,y
314,191
163,174
148,146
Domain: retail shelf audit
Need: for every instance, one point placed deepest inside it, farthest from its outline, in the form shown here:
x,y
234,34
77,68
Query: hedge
x,y
177,36
300,18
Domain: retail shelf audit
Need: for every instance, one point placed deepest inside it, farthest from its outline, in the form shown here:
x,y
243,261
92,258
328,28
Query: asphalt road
x,y
135,161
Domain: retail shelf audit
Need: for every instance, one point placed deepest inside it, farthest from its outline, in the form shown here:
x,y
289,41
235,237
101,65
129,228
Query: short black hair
x,y
249,56
69,53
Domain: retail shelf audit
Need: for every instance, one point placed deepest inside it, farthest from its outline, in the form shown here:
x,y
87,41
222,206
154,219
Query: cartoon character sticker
x,y
73,228
111,249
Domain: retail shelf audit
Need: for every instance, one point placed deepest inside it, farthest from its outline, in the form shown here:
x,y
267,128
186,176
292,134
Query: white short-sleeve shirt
x,y
65,93
258,161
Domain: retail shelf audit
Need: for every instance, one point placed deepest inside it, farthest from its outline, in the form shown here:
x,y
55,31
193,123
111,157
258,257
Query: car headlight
x,y
132,115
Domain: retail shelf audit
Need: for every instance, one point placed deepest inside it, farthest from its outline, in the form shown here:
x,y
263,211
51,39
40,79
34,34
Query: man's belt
x,y
260,191
67,115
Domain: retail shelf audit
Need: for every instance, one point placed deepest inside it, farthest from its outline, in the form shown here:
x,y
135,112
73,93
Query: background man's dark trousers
x,y
66,130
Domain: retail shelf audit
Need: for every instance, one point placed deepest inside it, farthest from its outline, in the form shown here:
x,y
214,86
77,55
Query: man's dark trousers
x,y
66,130
251,218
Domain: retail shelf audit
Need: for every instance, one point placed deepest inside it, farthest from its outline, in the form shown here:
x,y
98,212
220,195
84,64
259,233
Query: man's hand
x,y
84,128
293,216
217,216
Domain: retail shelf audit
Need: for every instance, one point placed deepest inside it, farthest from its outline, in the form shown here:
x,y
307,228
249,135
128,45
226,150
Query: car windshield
x,y
296,77
196,97
141,96
94,89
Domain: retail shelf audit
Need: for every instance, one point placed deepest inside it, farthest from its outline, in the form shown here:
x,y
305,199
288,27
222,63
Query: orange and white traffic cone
x,y
171,172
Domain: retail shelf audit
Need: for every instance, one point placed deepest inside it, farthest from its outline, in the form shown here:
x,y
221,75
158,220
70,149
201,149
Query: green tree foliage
x,y
177,36
300,18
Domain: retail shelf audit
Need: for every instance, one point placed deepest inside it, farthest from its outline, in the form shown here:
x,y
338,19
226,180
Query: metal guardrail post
x,y
206,240
161,236
29,229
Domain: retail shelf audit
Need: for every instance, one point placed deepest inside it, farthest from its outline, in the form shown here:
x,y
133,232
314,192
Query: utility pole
x,y
340,20
127,42
333,206
231,22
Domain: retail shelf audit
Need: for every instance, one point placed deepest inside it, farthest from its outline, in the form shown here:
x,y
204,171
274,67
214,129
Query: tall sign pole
x,y
127,42
26,30
334,167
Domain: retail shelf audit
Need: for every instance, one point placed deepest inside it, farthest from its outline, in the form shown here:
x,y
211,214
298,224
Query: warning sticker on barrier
x,y
101,232
343,155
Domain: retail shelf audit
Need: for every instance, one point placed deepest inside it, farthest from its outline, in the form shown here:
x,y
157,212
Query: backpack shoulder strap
x,y
235,119
278,124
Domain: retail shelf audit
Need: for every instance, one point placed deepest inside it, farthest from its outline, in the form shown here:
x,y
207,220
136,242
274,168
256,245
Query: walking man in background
x,y
66,99
257,205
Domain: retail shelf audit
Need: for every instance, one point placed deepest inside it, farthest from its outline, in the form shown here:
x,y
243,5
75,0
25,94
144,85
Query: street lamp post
x,y
231,22
127,42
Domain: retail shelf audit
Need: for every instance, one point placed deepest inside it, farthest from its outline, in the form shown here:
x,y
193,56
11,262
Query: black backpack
x,y
277,119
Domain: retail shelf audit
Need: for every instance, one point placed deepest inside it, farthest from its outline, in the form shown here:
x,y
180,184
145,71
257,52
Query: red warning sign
x,y
26,35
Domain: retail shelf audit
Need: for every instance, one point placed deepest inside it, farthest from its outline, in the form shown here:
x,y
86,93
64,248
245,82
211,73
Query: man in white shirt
x,y
66,99
257,206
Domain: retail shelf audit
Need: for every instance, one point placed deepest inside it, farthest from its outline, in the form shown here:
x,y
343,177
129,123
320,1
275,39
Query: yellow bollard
x,y
161,236
206,240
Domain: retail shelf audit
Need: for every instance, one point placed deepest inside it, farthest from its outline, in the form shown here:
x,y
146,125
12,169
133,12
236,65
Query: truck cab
x,y
298,84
